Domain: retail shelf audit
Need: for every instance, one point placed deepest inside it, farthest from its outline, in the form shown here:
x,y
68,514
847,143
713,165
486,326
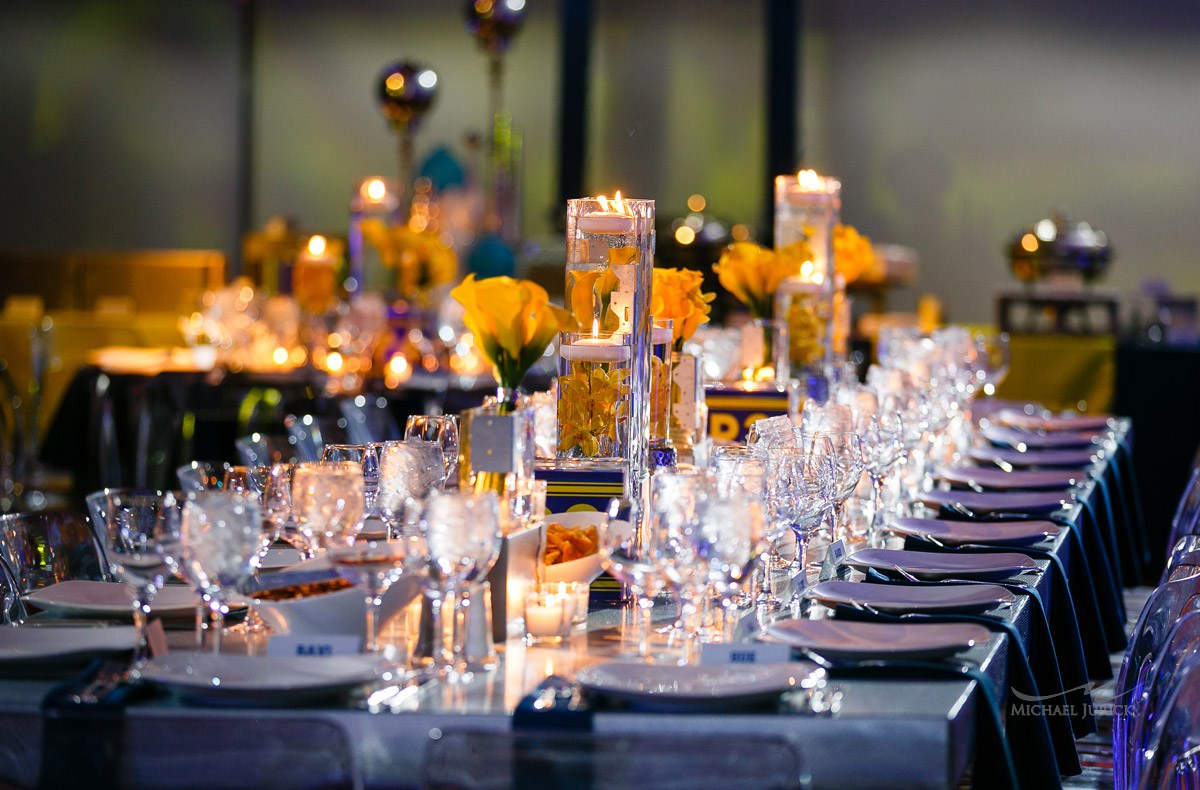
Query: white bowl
x,y
585,569
338,612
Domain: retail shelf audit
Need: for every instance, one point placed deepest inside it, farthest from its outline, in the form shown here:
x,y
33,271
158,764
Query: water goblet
x,y
367,457
141,540
220,535
408,471
461,533
374,564
846,469
626,555
327,499
441,429
799,492
729,538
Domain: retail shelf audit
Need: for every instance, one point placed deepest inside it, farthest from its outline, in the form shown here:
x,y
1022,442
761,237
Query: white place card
x,y
492,439
832,563
713,653
313,645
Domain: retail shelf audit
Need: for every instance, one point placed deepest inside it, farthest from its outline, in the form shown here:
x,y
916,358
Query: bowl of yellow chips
x,y
570,549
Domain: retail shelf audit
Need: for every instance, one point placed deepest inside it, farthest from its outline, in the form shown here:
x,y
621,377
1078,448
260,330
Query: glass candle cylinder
x,y
807,209
689,413
375,199
594,396
661,338
764,353
609,266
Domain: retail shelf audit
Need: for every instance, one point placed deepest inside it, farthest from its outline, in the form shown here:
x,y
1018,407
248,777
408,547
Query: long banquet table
x,y
887,733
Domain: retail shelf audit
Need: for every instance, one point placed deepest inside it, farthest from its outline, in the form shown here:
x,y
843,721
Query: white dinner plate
x,y
26,643
942,564
956,533
713,687
860,639
904,598
83,598
234,679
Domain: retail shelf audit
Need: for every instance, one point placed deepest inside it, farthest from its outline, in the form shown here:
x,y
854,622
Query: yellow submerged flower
x,y
512,322
752,273
420,259
588,410
590,296
676,294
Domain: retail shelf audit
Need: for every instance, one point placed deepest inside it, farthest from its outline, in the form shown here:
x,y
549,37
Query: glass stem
x,y
371,641
216,624
142,651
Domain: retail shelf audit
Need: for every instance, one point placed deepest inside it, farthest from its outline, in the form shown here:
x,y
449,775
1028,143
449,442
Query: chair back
x,y
1187,544
265,449
1144,708
1187,512
480,760
369,420
1171,755
309,434
1163,608
44,547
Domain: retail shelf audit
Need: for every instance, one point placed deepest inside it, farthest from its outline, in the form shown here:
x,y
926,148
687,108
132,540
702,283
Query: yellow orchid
x,y
676,294
588,411
752,273
589,295
420,259
512,322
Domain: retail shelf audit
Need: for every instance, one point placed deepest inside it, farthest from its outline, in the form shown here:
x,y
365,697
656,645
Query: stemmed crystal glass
x,y
729,538
220,534
799,492
883,447
372,563
627,555
142,540
992,361
847,469
461,533
442,430
327,500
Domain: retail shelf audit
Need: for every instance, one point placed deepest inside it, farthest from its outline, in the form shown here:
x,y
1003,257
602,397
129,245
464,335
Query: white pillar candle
x,y
597,349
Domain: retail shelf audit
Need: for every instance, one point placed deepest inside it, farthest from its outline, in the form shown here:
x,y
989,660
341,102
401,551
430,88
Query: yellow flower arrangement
x,y
420,259
512,322
676,295
752,273
588,410
853,256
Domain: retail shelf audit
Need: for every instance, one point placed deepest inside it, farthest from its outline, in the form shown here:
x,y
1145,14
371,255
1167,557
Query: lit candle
x,y
548,615
612,218
594,349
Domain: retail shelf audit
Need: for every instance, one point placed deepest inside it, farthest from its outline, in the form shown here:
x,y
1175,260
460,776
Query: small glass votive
x,y
548,616
579,593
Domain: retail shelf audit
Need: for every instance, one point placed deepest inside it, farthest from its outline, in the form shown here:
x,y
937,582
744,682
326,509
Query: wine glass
x,y
202,475
992,360
625,553
220,535
327,499
883,447
242,479
372,563
461,533
729,539
141,539
799,492
846,470
441,429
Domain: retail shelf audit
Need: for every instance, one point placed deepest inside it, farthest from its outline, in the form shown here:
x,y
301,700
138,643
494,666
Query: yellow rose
x,y
853,255
752,274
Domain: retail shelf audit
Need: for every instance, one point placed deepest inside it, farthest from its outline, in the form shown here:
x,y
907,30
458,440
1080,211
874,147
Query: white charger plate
x,y
84,598
48,642
901,598
856,639
234,679
709,687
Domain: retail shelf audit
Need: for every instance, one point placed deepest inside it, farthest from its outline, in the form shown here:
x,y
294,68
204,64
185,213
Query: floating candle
x,y
594,349
612,218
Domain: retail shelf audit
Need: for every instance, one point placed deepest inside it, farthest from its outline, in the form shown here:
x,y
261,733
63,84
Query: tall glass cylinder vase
x,y
689,414
800,304
377,199
609,266
807,209
594,397
661,338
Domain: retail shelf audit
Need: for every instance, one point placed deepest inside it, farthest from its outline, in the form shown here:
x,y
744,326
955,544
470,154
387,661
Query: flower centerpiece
x,y
420,259
753,274
854,257
676,295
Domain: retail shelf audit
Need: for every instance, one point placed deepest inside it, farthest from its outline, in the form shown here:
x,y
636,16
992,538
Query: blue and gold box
x,y
733,409
570,488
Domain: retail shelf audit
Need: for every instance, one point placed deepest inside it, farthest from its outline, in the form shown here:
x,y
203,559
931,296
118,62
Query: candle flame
x,y
616,206
595,327
316,245
375,189
809,180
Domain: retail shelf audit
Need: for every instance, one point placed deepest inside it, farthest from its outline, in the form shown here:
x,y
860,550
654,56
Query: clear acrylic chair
x,y
1171,756
48,546
264,449
1187,512
369,419
1181,648
1163,608
550,759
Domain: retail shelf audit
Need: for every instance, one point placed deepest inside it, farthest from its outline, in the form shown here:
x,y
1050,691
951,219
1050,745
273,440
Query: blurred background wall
x,y
951,125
